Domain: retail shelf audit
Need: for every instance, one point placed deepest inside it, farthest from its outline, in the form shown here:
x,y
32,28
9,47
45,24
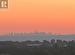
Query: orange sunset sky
x,y
56,16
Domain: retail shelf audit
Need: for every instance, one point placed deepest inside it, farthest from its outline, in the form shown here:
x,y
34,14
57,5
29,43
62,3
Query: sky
x,y
56,16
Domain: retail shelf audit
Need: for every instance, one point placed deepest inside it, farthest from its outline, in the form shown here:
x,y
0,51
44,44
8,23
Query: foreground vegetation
x,y
38,51
47,48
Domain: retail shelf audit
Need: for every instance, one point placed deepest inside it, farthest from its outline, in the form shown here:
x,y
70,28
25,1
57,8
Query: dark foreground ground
x,y
37,51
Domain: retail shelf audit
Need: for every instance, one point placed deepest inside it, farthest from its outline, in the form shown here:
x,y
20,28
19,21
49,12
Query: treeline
x,y
44,43
53,47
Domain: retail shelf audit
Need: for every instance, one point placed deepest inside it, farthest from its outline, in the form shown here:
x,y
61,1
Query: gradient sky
x,y
56,16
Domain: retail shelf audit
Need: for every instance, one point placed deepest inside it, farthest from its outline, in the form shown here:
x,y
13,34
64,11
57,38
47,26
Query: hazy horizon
x,y
33,32
35,36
